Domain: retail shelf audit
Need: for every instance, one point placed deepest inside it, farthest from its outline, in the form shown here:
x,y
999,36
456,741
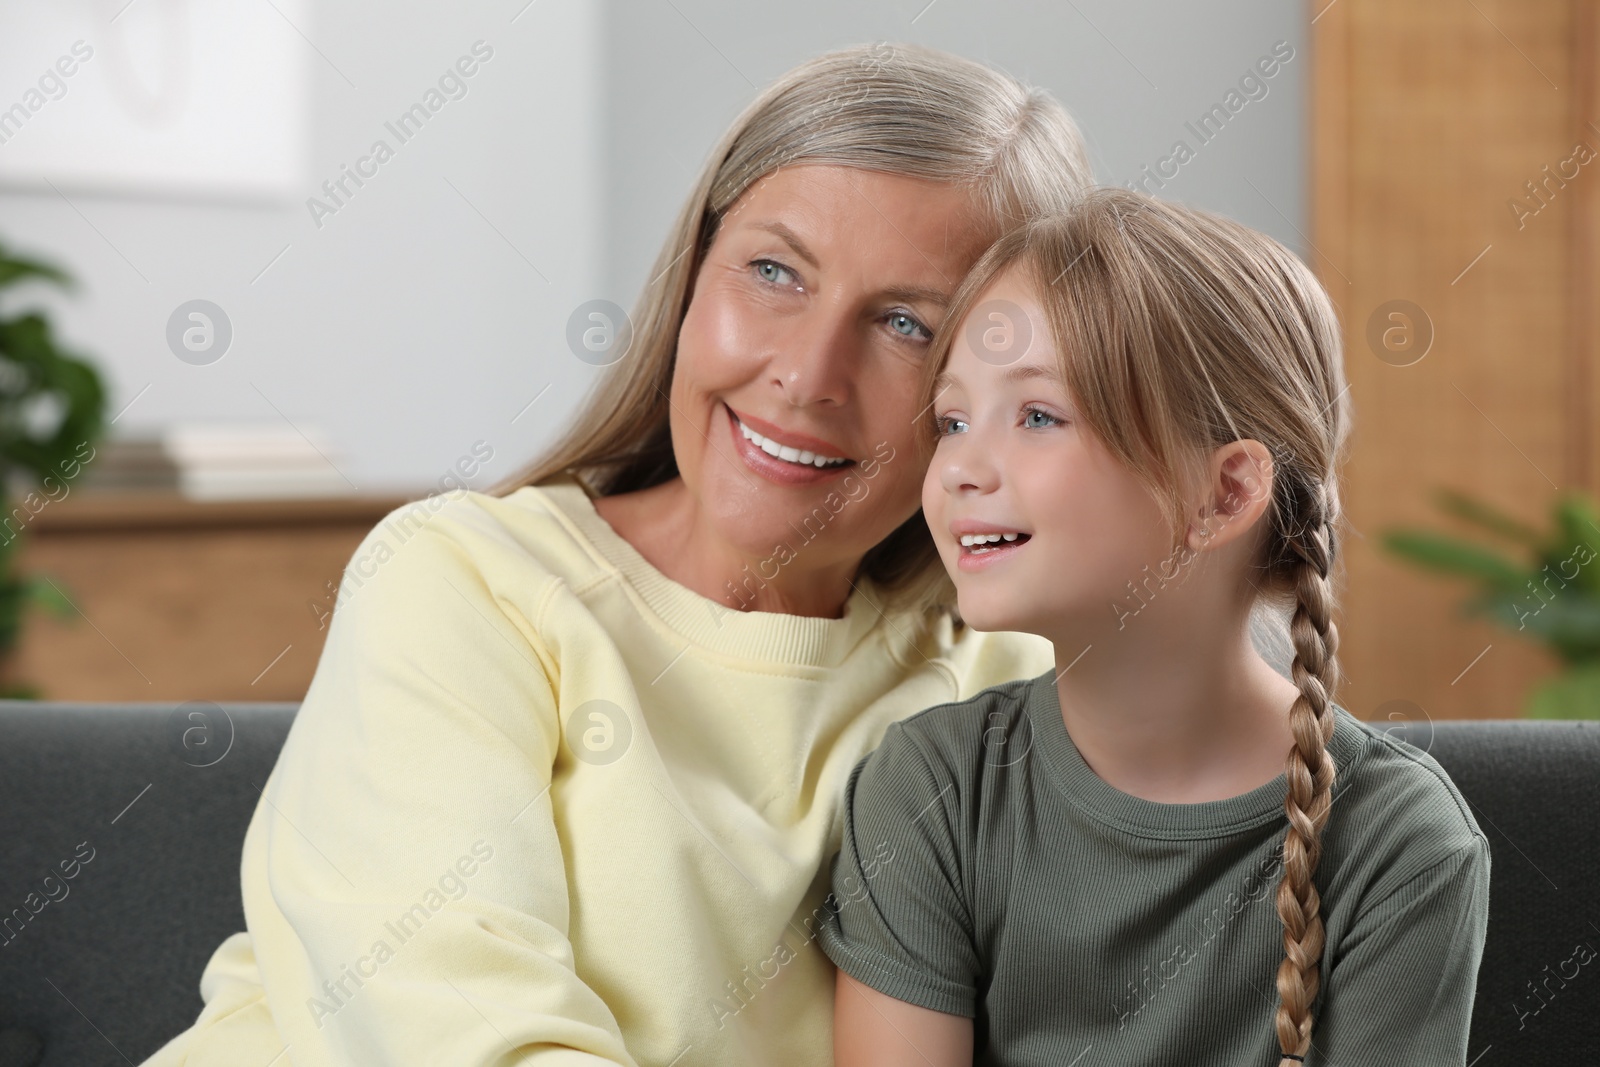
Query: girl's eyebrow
x,y
1020,373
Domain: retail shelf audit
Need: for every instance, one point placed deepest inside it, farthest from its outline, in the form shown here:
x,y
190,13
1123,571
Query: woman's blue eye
x,y
942,424
901,323
762,264
899,318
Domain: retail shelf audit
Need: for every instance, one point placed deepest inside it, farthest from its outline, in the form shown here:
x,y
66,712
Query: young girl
x,y
1163,851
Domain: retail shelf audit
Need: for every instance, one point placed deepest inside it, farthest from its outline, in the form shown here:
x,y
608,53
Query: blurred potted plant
x,y
52,411
1553,597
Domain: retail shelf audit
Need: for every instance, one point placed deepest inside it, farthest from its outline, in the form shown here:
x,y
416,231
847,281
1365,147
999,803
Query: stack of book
x,y
218,461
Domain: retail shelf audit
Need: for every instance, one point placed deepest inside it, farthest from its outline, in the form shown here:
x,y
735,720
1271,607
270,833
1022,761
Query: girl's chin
x,y
988,613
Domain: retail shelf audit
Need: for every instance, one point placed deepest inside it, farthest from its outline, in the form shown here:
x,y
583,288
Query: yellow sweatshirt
x,y
543,805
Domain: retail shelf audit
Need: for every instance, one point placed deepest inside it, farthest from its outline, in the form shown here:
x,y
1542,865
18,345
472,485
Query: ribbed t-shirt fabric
x,y
987,871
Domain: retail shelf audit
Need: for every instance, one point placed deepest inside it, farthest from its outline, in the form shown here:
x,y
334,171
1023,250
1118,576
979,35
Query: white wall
x,y
1131,75
408,325
413,323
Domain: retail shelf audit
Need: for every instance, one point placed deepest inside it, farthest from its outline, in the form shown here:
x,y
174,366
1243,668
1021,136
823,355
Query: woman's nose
x,y
817,360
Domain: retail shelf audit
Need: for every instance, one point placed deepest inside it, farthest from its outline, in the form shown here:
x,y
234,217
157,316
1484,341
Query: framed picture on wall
x,y
156,97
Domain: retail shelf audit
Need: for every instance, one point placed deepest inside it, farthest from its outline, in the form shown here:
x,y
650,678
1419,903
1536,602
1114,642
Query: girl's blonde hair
x,y
1179,331
901,108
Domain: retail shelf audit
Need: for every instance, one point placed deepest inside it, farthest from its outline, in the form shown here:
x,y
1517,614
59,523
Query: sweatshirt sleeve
x,y
1402,987
899,920
982,659
403,879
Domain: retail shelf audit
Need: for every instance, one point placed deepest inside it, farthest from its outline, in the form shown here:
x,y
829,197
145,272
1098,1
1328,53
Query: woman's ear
x,y
1238,492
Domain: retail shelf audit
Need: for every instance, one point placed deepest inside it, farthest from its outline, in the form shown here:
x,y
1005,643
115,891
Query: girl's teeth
x,y
792,455
978,540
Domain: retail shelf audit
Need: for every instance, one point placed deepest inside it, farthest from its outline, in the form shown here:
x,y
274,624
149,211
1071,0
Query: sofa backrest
x,y
1534,787
146,805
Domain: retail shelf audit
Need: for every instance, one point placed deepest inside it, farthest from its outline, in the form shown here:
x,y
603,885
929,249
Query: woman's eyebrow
x,y
790,238
904,293
911,294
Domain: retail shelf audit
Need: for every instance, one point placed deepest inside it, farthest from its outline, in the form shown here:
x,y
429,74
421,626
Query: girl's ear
x,y
1238,492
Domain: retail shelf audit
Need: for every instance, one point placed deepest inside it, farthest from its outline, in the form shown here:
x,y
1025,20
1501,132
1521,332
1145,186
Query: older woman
x,y
566,782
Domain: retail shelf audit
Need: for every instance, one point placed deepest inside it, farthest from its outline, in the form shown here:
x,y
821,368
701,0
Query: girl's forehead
x,y
1025,371
1004,323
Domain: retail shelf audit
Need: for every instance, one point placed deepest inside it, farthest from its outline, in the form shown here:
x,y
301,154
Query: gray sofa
x,y
146,806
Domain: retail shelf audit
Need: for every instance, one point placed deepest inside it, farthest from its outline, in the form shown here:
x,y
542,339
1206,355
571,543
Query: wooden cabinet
x,y
183,600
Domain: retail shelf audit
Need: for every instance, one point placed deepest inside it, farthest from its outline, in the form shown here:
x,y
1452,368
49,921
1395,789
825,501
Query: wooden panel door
x,y
1454,169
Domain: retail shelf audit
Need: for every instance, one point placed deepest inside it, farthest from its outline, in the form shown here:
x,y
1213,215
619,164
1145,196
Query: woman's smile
x,y
789,466
789,444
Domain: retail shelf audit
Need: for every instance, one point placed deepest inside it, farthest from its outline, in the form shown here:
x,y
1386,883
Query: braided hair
x,y
1308,547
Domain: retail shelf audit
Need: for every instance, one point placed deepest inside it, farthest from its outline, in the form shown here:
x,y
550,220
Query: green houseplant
x,y
1550,594
52,411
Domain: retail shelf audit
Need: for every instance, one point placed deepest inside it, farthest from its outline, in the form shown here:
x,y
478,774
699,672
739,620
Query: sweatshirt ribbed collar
x,y
765,636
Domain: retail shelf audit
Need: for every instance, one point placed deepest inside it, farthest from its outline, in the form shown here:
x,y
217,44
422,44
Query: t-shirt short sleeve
x,y
902,924
1414,957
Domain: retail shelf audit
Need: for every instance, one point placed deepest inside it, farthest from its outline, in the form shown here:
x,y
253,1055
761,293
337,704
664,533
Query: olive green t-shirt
x,y
987,871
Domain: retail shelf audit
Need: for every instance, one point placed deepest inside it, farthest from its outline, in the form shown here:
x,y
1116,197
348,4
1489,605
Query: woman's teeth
x,y
784,452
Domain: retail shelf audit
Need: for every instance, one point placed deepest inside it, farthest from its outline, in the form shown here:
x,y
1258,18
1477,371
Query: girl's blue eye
x,y
1039,411
942,423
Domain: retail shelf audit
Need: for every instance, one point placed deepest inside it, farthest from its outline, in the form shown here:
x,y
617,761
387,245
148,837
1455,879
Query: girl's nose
x,y
966,462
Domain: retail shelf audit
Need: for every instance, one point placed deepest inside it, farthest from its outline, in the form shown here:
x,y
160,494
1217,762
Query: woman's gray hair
x,y
904,109
916,111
